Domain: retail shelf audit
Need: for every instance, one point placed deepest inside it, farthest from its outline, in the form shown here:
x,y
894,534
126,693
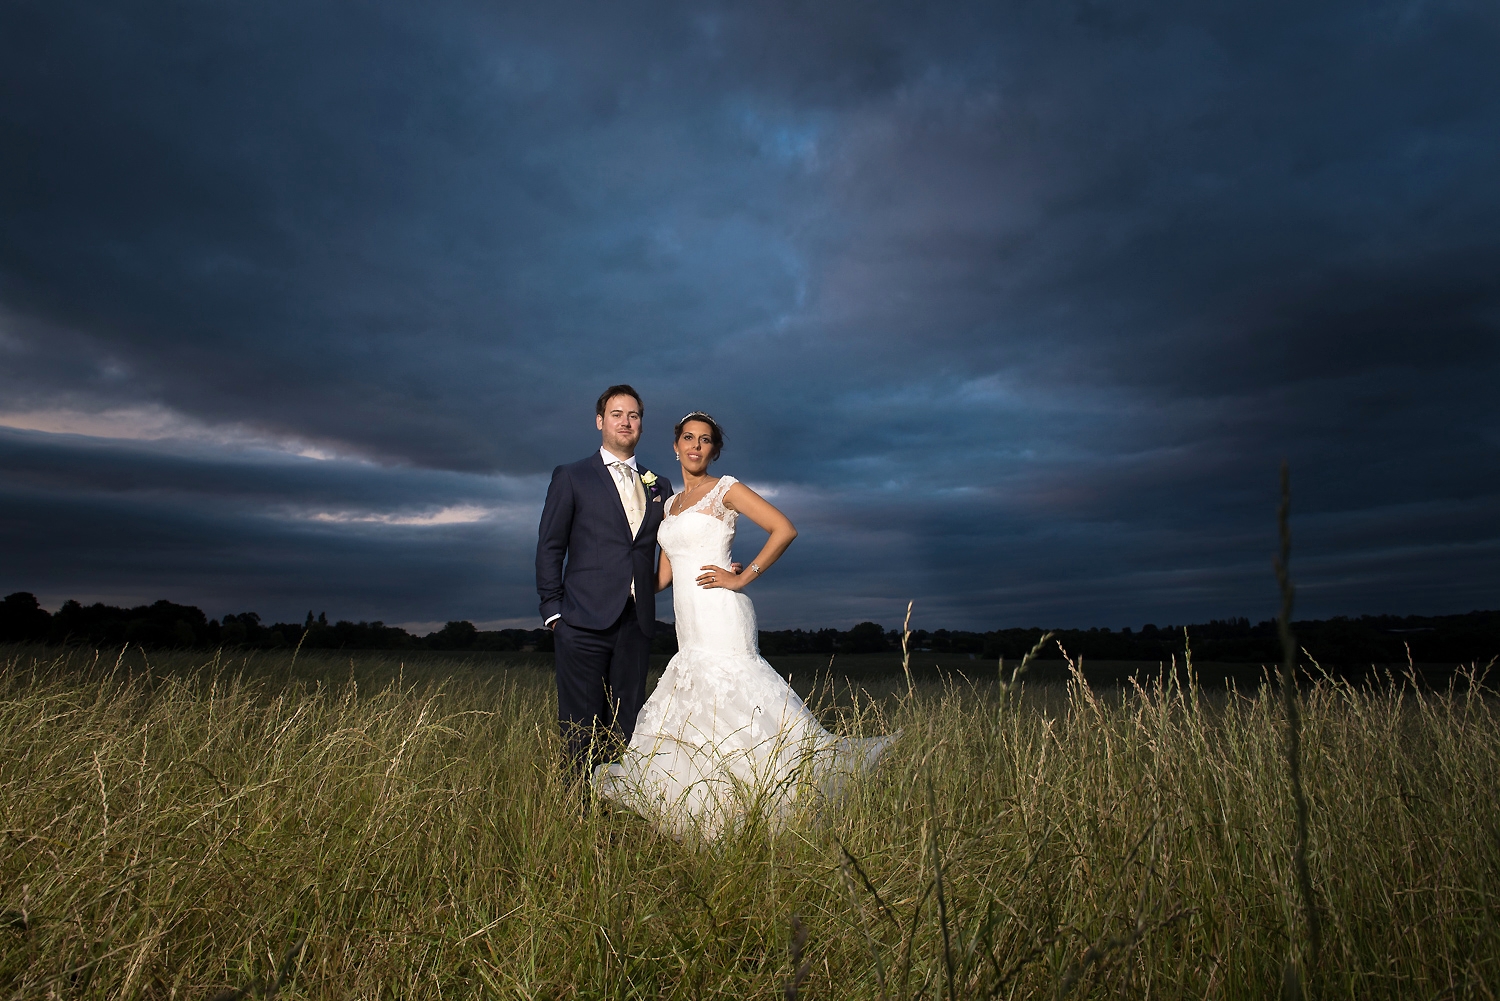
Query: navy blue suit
x,y
603,642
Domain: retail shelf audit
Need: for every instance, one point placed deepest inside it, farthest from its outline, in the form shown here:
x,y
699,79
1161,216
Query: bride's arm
x,y
663,572
761,511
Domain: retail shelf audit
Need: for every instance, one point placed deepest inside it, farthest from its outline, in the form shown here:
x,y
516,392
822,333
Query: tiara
x,y
698,413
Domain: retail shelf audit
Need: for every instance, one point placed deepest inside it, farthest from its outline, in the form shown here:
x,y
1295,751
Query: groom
x,y
602,513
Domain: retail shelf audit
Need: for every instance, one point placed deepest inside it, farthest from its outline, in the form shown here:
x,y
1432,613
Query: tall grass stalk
x,y
405,830
1292,984
906,649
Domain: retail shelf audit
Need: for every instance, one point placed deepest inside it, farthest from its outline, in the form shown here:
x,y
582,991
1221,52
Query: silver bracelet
x,y
755,567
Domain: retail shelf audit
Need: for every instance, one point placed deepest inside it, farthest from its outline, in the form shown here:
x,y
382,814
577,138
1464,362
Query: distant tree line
x,y
1369,639
166,625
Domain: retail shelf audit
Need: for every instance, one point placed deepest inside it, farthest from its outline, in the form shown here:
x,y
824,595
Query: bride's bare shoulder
x,y
737,491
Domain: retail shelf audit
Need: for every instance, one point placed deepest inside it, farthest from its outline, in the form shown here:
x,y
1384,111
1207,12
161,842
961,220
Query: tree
x,y
23,619
454,636
867,637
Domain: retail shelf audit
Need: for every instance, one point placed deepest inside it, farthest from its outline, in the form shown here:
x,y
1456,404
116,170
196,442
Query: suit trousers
x,y
601,685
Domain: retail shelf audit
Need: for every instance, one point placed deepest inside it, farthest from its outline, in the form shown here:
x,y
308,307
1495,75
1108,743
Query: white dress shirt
x,y
611,458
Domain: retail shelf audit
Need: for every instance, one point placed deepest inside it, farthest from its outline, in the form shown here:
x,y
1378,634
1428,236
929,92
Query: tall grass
x,y
368,829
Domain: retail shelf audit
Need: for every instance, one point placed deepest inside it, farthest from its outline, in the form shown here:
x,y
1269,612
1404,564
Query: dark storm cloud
x,y
1015,308
253,528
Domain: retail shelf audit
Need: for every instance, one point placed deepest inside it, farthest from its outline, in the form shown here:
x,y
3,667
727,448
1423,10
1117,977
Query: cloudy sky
x,y
1014,308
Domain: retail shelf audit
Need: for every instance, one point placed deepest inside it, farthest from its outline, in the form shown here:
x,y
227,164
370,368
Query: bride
x,y
723,738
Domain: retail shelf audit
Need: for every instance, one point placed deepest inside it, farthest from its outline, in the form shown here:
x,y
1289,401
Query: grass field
x,y
371,828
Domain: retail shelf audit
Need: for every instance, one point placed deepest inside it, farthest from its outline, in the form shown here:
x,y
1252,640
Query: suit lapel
x,y
653,509
614,495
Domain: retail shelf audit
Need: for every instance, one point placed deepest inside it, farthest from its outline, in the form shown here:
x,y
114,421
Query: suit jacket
x,y
584,520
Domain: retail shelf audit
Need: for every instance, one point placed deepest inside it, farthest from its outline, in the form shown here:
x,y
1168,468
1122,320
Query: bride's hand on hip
x,y
713,576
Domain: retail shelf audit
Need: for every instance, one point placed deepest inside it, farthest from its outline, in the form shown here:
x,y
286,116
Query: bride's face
x,y
695,446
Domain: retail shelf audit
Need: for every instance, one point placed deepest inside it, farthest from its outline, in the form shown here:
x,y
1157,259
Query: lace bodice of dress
x,y
710,504
703,535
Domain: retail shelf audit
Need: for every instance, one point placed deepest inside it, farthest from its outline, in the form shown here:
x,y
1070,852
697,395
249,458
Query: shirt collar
x,y
611,458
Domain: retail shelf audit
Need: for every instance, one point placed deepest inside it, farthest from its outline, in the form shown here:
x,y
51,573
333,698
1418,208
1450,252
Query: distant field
x,y
382,826
804,669
936,666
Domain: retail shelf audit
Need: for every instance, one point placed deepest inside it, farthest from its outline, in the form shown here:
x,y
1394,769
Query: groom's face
x,y
620,424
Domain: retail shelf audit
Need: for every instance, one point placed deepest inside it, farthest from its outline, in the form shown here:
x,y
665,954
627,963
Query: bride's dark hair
x,y
717,435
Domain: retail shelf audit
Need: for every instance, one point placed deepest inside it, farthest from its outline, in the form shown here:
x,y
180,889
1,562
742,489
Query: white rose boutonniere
x,y
648,478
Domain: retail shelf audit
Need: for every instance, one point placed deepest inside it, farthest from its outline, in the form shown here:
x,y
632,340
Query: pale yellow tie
x,y
632,496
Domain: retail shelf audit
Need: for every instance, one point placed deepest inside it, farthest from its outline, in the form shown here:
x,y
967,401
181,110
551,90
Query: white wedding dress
x,y
723,738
